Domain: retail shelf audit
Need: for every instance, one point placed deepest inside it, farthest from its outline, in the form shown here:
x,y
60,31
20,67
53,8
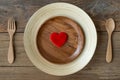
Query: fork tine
x,y
12,26
9,24
13,23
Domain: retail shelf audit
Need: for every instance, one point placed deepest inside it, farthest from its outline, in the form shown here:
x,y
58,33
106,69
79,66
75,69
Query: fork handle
x,y
109,50
11,51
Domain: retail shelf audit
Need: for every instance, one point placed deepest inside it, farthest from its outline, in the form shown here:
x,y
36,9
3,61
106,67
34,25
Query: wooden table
x,y
23,69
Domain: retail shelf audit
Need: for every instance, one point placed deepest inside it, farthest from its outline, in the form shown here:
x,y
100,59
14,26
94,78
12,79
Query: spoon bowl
x,y
110,25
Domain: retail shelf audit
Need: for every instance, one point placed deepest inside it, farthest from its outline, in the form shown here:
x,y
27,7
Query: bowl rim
x,y
59,3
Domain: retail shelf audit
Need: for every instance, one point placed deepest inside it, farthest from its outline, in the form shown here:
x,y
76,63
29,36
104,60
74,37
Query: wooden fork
x,y
11,30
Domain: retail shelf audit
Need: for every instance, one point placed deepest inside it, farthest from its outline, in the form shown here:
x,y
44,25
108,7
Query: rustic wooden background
x,y
23,69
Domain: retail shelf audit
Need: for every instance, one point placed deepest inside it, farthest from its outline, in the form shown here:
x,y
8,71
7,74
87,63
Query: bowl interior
x,y
70,50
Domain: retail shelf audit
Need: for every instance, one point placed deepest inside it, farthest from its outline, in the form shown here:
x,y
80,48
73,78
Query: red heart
x,y
58,39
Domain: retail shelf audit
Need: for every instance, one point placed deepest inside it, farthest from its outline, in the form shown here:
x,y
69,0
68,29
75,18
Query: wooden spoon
x,y
110,26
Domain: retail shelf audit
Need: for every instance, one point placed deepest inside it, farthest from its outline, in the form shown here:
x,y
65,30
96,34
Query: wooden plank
x,y
99,11
88,73
22,59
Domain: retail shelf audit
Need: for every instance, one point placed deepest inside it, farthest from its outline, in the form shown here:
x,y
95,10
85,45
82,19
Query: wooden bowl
x,y
70,50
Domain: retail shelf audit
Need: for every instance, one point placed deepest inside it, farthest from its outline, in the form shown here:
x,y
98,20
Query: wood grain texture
x,y
70,50
22,69
30,73
97,69
99,10
20,57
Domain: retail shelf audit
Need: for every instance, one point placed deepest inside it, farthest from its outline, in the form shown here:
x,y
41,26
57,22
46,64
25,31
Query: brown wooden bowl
x,y
70,50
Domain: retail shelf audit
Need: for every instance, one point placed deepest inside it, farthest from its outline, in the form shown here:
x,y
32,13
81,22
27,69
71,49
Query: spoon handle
x,y
109,50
